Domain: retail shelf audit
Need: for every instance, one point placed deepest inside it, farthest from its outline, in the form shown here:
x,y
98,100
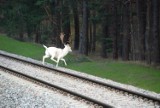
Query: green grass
x,y
124,72
22,48
140,76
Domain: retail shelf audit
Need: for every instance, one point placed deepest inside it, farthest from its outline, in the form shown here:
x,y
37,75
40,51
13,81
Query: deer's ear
x,y
64,43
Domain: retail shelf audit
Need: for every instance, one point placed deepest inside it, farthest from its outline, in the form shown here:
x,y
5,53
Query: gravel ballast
x,y
94,91
18,93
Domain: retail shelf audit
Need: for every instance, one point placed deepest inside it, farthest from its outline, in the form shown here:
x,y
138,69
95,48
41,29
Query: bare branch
x,y
49,14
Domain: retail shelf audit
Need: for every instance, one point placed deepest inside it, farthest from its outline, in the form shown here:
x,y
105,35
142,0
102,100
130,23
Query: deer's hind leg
x,y
44,57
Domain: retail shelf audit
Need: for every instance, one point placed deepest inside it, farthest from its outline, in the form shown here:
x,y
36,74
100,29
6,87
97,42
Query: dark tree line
x,y
127,29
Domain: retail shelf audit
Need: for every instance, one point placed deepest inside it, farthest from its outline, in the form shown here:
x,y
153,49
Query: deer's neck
x,y
65,51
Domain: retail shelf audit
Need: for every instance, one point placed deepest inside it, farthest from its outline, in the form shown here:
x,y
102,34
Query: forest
x,y
117,29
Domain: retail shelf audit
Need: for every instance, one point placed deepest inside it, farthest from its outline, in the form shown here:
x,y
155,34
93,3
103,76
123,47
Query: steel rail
x,y
89,79
104,105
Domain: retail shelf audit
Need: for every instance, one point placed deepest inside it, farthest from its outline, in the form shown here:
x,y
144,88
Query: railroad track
x,y
120,95
45,84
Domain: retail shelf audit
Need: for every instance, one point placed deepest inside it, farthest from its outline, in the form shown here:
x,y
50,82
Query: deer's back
x,y
53,51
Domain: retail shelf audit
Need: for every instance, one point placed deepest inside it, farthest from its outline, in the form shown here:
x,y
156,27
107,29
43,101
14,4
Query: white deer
x,y
57,53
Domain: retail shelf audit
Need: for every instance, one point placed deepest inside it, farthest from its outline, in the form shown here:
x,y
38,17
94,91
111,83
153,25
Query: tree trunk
x,y
58,18
126,33
105,33
104,42
66,22
155,32
21,36
38,35
56,22
84,31
131,29
141,14
148,33
90,37
115,30
94,36
76,25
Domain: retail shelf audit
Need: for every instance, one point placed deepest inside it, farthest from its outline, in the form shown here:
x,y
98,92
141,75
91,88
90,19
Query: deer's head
x,y
67,46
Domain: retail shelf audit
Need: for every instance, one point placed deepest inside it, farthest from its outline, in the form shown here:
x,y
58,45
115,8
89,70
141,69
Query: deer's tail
x,y
44,46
